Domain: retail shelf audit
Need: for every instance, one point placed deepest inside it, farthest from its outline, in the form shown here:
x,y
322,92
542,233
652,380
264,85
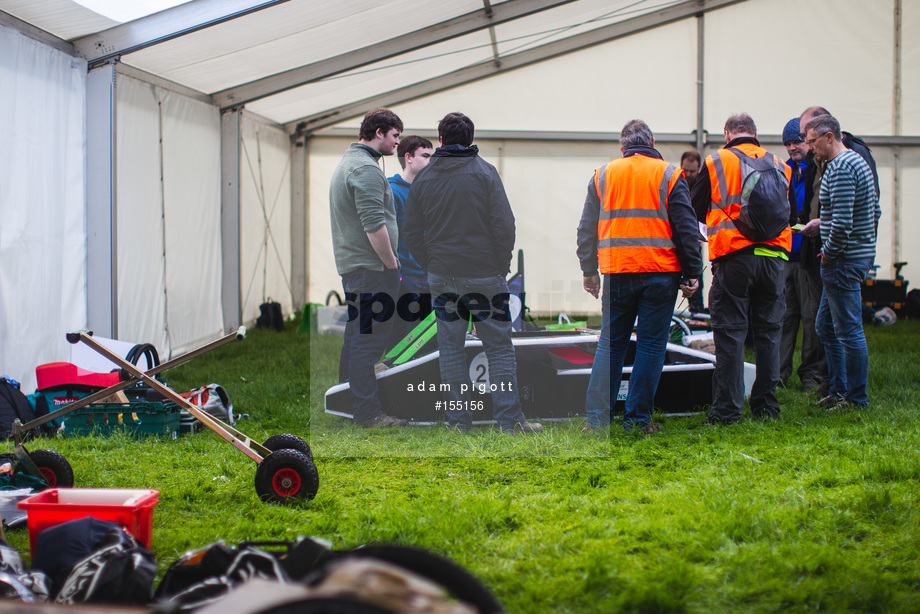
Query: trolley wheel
x,y
286,474
54,468
289,441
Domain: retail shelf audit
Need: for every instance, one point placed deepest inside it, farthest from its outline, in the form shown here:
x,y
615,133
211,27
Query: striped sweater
x,y
849,209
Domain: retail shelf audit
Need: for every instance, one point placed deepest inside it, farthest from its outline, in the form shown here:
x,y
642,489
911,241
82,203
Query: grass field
x,y
812,512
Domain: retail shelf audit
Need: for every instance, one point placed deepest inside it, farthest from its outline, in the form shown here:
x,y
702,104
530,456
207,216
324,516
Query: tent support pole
x,y
896,131
300,222
700,65
101,235
230,138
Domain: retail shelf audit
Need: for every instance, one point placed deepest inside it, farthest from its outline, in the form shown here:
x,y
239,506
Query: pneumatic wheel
x,y
285,475
289,441
54,468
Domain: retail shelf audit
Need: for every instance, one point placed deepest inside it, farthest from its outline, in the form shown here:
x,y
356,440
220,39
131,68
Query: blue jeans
x,y
454,299
650,297
839,326
362,350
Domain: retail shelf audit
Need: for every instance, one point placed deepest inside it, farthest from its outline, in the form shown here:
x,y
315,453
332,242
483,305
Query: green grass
x,y
812,512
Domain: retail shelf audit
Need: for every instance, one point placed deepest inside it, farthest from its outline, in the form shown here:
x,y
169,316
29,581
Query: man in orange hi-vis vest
x,y
638,230
748,276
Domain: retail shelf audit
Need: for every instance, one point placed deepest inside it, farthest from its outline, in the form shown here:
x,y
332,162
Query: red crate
x,y
132,509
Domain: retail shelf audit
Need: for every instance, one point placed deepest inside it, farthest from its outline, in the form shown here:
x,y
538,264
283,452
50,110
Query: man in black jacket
x,y
459,226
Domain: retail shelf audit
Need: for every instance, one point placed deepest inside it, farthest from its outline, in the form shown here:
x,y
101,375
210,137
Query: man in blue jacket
x,y
413,152
803,284
459,226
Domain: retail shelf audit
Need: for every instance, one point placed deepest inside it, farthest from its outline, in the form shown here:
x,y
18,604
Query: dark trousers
x,y
367,334
743,284
803,295
410,284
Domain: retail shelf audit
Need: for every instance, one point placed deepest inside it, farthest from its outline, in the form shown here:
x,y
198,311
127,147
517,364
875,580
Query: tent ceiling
x,y
288,60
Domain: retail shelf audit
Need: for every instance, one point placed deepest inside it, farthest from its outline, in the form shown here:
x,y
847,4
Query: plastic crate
x,y
138,419
132,509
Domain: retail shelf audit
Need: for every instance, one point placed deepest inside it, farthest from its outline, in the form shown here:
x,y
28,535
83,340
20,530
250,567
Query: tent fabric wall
x,y
773,58
265,217
42,233
168,217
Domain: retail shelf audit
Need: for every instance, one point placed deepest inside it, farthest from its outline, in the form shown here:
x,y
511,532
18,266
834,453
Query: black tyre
x,y
285,475
289,441
54,468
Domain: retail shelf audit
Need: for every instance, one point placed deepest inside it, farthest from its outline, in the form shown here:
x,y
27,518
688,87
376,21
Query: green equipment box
x,y
138,419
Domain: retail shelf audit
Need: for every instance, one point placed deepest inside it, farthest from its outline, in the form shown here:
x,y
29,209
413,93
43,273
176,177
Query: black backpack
x,y
764,197
13,405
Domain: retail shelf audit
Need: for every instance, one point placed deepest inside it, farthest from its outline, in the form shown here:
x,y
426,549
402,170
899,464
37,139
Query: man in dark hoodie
x,y
459,226
638,230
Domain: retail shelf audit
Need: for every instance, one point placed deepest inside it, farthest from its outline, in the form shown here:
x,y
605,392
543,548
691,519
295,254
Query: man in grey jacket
x,y
364,237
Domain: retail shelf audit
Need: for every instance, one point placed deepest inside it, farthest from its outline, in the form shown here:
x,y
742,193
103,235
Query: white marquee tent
x,y
161,178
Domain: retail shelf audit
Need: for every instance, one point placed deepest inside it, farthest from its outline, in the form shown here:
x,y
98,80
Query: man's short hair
x,y
635,133
456,129
742,122
692,155
408,145
816,111
823,124
378,119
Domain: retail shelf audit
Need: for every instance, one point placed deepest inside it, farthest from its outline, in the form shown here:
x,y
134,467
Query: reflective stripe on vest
x,y
725,175
634,231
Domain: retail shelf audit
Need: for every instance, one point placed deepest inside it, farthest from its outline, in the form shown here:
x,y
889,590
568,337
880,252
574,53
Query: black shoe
x,y
651,427
829,401
844,404
382,419
714,421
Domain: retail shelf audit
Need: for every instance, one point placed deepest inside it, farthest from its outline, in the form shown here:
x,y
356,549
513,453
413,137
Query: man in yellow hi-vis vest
x,y
639,230
748,275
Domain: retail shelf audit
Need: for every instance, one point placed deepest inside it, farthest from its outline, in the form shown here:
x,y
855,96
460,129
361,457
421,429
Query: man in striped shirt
x,y
848,226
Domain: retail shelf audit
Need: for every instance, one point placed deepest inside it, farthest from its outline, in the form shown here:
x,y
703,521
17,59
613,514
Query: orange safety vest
x,y
725,180
633,231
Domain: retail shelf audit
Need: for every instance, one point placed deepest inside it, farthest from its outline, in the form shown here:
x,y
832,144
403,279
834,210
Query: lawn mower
x,y
285,471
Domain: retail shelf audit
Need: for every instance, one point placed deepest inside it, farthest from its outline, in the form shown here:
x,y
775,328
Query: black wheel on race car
x,y
289,441
285,475
54,468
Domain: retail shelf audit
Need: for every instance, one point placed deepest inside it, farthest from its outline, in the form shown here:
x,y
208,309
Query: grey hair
x,y
823,124
636,132
742,122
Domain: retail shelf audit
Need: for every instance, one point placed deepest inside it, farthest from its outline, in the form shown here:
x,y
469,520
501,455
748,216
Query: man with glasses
x,y
848,225
810,216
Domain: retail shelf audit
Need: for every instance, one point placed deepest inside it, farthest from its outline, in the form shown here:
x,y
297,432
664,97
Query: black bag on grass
x,y
186,585
270,316
14,405
203,576
95,561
